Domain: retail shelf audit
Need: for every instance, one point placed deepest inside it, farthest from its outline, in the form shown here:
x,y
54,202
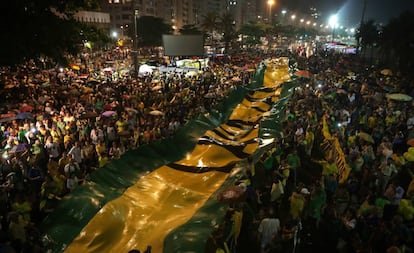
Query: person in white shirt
x,y
76,152
268,231
410,122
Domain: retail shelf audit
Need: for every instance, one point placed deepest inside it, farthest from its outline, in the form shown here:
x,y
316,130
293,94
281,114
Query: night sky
x,y
350,11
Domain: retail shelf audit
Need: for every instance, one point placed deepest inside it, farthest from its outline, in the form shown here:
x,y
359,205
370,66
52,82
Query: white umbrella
x,y
144,69
210,95
158,87
156,113
131,110
399,97
191,73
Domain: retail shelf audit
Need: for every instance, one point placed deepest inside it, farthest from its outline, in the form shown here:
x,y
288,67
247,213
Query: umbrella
x,y
191,73
26,108
75,66
24,115
143,69
9,86
20,148
86,90
386,72
109,90
108,114
45,84
108,107
88,115
107,69
131,110
7,119
231,195
341,91
303,73
7,115
158,87
399,97
93,81
75,92
124,133
366,137
210,95
156,113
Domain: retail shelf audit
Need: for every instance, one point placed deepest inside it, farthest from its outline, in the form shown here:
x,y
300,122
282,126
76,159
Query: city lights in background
x,y
313,20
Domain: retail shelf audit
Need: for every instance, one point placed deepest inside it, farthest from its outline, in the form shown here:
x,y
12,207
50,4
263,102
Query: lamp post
x,y
333,23
135,49
269,5
283,16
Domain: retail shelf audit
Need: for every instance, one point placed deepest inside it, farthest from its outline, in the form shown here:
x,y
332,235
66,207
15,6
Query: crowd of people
x,y
298,198
61,124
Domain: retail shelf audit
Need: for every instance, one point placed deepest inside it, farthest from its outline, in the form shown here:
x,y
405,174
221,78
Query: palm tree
x,y
190,29
396,40
368,35
209,26
226,26
252,32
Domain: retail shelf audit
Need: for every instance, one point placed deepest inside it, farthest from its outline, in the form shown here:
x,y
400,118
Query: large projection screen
x,y
183,45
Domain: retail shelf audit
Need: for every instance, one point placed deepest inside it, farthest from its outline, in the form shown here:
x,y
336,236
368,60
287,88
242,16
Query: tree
x,y
209,25
150,30
190,30
226,26
252,32
98,37
367,34
40,28
396,40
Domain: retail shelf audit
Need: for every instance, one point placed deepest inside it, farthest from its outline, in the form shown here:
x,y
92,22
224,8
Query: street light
x,y
333,23
283,15
122,32
270,3
135,51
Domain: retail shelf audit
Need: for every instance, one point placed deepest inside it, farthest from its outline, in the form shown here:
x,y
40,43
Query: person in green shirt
x,y
21,136
294,162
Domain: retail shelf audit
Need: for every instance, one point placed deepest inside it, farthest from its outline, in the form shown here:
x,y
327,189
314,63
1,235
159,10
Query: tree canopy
x,y
190,30
394,40
31,29
150,30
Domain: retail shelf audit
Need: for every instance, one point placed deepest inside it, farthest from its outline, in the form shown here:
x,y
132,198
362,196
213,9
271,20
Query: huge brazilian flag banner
x,y
164,194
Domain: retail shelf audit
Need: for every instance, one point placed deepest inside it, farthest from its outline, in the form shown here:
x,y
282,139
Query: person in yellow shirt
x,y
67,140
62,163
372,121
22,206
56,135
121,125
297,203
101,149
52,167
390,119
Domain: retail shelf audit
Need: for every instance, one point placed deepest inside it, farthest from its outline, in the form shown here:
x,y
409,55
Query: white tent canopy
x,y
145,69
